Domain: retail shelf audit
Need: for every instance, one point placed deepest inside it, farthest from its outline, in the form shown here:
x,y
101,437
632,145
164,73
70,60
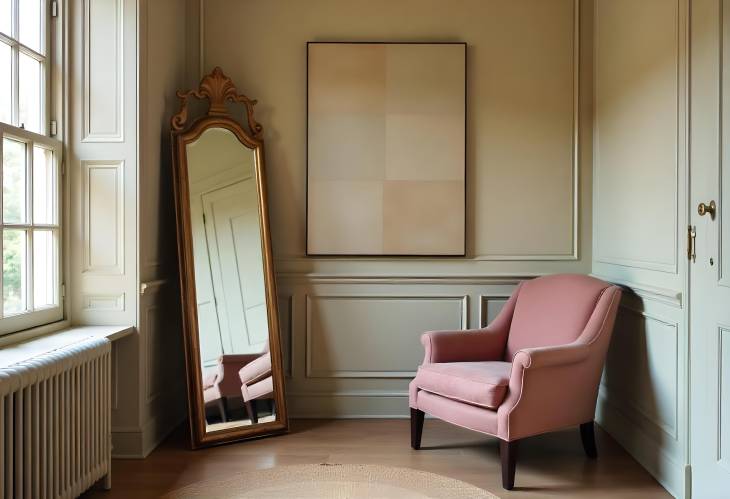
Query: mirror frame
x,y
221,93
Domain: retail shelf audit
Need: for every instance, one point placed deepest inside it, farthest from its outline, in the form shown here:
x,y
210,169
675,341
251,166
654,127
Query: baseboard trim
x,y
348,405
155,432
127,444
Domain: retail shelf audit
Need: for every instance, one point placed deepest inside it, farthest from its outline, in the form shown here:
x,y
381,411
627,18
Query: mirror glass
x,y
233,322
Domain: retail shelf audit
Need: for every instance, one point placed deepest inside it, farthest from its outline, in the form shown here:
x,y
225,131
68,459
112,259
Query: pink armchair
x,y
534,369
221,382
256,383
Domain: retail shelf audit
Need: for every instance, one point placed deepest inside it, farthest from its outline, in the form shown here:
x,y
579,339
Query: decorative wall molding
x,y
286,306
574,254
723,375
662,295
484,300
153,381
113,302
103,200
313,372
630,408
350,393
575,187
390,279
103,71
680,158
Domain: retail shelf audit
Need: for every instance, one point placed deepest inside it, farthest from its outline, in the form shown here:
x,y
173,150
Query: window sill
x,y
21,350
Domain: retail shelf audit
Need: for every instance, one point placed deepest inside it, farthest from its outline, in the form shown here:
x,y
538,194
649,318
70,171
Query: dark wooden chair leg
x,y
223,409
251,410
416,428
508,455
588,436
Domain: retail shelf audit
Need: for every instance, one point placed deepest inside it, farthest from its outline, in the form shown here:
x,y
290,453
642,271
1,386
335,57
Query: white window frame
x,y
50,110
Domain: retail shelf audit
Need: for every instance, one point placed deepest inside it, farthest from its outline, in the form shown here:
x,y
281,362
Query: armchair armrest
x,y
471,345
535,358
463,346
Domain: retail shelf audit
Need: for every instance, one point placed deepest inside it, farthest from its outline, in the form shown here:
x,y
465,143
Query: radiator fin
x,y
55,420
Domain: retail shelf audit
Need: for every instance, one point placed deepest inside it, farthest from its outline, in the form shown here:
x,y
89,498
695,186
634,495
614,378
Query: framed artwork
x,y
386,149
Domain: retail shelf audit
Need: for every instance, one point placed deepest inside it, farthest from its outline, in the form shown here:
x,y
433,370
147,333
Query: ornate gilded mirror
x,y
232,344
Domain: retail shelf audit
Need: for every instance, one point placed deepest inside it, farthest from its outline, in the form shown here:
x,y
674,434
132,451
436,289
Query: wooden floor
x,y
548,466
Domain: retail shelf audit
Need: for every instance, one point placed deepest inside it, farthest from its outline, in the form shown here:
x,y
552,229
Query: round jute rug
x,y
333,481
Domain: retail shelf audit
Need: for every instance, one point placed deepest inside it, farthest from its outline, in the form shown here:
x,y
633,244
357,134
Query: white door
x,y
210,332
234,243
709,269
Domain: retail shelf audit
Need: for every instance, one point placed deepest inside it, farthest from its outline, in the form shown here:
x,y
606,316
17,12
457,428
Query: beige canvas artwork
x,y
386,148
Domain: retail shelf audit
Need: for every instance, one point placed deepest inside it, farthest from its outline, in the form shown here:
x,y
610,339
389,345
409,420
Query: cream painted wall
x,y
520,112
640,166
529,180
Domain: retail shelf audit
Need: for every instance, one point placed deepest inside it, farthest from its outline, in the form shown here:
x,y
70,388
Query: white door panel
x,y
708,271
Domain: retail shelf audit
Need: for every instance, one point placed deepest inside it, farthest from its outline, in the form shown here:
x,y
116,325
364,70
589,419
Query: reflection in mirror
x,y
229,281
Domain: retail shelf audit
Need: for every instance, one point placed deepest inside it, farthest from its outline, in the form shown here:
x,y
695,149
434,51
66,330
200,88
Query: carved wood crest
x,y
218,89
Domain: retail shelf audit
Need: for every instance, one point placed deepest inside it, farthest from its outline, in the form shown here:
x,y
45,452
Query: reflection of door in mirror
x,y
230,290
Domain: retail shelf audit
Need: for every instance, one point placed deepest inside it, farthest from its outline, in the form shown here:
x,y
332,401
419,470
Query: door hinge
x,y
691,242
203,218
63,168
54,9
54,128
63,291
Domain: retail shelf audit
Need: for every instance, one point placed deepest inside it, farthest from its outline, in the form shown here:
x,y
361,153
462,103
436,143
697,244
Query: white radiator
x,y
55,417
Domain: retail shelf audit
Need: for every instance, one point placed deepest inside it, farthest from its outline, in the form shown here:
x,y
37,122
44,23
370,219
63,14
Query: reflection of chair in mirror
x,y
256,383
221,382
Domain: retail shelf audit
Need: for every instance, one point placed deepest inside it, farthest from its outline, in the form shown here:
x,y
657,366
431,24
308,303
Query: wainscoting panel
x,y
489,308
643,397
355,341
97,302
103,217
103,71
374,336
648,389
651,102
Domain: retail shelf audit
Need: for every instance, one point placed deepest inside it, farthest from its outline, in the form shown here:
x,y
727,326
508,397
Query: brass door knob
x,y
703,209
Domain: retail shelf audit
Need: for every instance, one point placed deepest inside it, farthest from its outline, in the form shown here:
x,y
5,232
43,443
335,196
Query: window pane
x,y
44,269
44,186
14,271
13,181
30,24
29,92
5,83
5,16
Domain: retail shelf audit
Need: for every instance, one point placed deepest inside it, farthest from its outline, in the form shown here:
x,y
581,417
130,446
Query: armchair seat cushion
x,y
483,384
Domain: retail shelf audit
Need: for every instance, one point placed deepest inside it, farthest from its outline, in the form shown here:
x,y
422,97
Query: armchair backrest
x,y
552,310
